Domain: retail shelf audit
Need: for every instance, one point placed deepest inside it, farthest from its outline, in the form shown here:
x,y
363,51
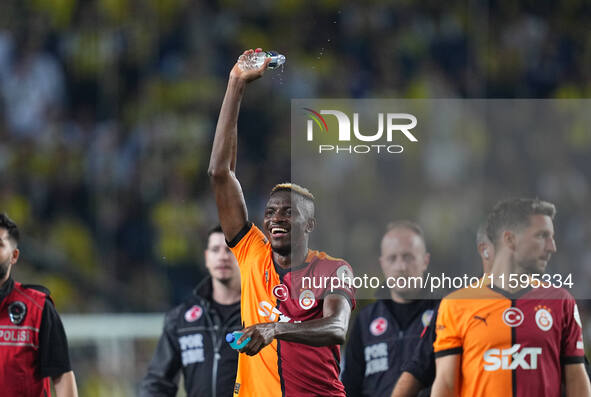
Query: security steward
x,y
193,339
386,332
33,345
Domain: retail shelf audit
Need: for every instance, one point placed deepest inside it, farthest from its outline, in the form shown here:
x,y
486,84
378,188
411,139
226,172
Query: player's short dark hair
x,y
10,226
409,225
515,214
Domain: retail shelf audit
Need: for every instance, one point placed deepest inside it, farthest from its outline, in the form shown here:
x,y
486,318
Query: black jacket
x,y
422,362
193,340
378,346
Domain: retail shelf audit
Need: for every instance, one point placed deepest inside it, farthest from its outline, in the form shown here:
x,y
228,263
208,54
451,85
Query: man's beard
x,y
532,266
224,280
4,268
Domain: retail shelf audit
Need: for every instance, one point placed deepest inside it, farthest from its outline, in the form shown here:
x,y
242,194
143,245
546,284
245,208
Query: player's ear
x,y
509,239
310,225
14,257
485,251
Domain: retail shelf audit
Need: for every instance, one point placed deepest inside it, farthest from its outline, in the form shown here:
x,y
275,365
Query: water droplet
x,y
328,40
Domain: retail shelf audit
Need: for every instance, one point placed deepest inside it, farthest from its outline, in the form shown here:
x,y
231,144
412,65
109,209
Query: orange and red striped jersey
x,y
270,293
511,345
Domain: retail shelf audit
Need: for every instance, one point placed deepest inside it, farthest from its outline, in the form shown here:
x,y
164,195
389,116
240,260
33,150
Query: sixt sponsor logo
x,y
271,313
512,358
390,126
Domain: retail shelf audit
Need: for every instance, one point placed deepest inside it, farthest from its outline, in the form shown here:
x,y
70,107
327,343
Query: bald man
x,y
385,333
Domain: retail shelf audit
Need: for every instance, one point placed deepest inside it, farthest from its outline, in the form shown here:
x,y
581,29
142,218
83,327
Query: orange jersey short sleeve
x,y
449,339
249,246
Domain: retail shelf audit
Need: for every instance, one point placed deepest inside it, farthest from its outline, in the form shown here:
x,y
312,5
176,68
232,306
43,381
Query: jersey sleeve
x,y
448,339
572,348
249,240
54,358
341,283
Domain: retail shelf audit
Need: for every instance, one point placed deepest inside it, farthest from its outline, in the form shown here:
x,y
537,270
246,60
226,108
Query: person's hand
x,y
249,75
260,336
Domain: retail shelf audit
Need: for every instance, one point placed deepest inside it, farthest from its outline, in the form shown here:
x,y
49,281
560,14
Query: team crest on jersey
x,y
281,292
16,312
513,317
544,318
307,299
426,317
378,326
193,314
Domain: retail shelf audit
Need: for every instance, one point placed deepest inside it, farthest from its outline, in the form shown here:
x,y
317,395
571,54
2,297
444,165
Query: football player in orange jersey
x,y
531,341
294,331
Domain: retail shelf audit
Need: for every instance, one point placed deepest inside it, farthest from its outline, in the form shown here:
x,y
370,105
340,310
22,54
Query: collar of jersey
x,y
510,295
282,272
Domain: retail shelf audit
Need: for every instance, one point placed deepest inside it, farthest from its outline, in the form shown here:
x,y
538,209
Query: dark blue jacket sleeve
x,y
422,363
164,369
354,371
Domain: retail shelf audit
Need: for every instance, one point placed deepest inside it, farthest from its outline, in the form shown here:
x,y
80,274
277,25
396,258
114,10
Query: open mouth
x,y
278,232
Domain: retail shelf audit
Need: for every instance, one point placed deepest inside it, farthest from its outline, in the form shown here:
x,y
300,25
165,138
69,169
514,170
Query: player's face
x,y
8,253
284,222
219,260
535,244
403,255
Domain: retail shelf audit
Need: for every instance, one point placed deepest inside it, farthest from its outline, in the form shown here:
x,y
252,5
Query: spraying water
x,y
256,60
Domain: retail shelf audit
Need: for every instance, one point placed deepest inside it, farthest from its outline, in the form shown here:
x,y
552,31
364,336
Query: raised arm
x,y
331,329
222,164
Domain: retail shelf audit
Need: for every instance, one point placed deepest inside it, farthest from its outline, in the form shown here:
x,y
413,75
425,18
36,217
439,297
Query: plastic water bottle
x,y
232,339
256,60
